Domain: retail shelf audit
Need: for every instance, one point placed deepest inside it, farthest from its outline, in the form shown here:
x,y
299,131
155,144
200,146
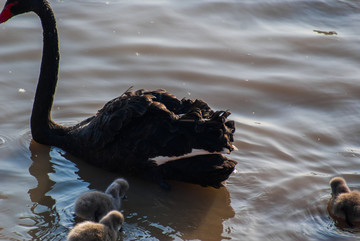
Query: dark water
x,y
294,94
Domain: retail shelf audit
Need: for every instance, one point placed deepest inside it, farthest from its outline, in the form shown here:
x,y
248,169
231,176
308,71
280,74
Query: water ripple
x,y
2,141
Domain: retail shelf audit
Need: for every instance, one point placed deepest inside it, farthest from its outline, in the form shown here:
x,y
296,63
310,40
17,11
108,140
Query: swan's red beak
x,y
6,13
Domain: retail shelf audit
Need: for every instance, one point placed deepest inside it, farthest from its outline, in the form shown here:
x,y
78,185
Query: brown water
x,y
294,94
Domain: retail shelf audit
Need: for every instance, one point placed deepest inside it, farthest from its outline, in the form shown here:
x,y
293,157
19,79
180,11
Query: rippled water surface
x,y
293,92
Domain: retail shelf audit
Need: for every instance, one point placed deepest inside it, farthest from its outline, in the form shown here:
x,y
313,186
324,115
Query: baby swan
x,y
106,230
344,204
94,205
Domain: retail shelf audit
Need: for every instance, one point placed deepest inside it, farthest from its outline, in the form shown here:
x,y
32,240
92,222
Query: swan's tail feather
x,y
212,134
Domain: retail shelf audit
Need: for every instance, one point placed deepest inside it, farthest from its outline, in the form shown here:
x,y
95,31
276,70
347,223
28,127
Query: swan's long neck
x,y
43,129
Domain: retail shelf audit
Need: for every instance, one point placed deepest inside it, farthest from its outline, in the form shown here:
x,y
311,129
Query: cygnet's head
x,y
338,185
118,188
114,220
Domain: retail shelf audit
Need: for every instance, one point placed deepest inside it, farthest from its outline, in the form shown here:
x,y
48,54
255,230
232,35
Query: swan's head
x,y
16,7
114,220
338,185
118,188
123,186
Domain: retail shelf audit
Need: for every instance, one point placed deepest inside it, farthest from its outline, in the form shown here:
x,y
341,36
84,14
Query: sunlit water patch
x,y
293,92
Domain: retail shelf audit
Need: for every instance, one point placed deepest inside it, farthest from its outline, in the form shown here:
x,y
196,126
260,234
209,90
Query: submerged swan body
x,y
94,205
132,131
106,230
344,204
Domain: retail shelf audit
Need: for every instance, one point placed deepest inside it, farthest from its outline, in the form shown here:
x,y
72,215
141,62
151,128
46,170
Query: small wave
x,y
2,141
24,139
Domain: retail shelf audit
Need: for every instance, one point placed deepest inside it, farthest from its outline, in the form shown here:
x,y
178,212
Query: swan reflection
x,y
187,211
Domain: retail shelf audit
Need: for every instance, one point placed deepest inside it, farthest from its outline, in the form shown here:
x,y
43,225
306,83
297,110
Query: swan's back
x,y
106,230
129,132
87,231
344,203
93,205
347,206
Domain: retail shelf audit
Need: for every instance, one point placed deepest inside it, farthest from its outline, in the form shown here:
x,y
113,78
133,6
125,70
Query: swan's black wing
x,y
131,130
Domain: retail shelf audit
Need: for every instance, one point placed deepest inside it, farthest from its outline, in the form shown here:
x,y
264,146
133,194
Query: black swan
x,y
106,230
344,204
138,132
94,205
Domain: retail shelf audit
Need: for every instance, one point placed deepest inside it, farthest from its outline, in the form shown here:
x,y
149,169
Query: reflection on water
x,y
147,209
294,94
45,209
